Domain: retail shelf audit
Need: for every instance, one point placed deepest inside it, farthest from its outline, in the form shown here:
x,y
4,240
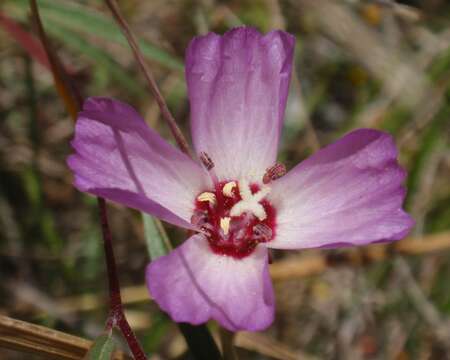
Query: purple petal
x,y
120,158
349,193
193,285
238,85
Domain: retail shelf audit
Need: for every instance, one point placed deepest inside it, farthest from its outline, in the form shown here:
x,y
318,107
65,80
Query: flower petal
x,y
120,158
349,193
193,284
238,85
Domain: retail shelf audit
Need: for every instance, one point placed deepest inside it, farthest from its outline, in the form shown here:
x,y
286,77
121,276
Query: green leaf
x,y
156,238
100,57
102,348
89,21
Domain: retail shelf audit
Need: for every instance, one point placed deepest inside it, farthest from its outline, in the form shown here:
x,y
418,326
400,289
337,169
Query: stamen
x,y
274,173
206,161
228,189
225,224
209,197
209,166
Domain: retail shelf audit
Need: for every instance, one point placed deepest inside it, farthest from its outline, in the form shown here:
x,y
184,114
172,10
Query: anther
x,y
209,197
262,232
209,166
228,188
274,173
206,161
225,224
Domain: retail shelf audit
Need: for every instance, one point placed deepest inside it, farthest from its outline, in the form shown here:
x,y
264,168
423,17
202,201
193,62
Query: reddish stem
x,y
167,115
116,315
73,102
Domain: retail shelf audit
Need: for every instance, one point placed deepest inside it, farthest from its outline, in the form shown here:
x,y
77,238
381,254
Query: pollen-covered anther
x,y
206,161
228,189
274,173
209,197
225,224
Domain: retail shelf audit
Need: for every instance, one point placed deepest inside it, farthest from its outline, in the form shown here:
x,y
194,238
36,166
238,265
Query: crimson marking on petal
x,y
274,173
235,236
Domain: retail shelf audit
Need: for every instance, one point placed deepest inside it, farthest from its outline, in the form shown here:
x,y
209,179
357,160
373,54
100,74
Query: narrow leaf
x,y
27,41
88,21
98,55
155,236
102,348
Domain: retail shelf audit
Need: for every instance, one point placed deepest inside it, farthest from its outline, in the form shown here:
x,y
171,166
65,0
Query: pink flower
x,y
349,193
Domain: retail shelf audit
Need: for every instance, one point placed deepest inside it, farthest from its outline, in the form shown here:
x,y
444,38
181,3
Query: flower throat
x,y
236,216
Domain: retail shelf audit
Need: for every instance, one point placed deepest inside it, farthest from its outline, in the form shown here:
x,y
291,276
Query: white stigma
x,y
250,202
225,224
209,197
228,188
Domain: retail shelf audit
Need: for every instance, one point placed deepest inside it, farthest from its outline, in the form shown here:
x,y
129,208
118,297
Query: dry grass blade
x,y
265,345
176,132
292,268
301,266
400,77
51,344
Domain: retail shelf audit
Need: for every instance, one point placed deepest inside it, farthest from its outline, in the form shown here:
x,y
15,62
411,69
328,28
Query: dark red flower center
x,y
235,217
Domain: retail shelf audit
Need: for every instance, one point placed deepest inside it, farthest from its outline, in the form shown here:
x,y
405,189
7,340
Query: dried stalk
x,y
294,267
176,132
51,344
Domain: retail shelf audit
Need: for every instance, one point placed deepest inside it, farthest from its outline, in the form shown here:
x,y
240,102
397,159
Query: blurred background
x,y
379,64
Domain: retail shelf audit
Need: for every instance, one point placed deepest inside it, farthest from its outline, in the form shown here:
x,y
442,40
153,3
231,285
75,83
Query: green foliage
x,y
78,18
102,348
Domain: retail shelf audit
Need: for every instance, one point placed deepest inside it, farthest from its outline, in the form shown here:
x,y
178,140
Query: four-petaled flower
x,y
237,203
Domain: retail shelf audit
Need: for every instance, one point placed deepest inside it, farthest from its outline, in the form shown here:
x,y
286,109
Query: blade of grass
x,y
102,348
158,243
27,41
99,56
92,23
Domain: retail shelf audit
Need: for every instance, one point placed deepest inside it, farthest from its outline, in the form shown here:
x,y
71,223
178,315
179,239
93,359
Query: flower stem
x,y
116,316
73,103
176,132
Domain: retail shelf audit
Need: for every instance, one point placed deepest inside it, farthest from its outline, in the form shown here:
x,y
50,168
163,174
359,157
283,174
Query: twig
x,y
176,132
73,102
